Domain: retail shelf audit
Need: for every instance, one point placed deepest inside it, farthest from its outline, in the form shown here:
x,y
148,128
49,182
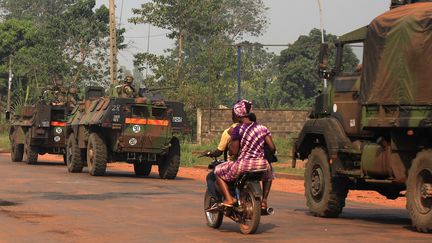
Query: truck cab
x,y
371,127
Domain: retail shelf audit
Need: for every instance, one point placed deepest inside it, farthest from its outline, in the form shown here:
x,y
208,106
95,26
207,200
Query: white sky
x,y
287,20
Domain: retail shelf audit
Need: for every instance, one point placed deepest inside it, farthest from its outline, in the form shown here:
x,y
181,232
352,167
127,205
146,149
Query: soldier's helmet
x,y
129,79
58,82
73,90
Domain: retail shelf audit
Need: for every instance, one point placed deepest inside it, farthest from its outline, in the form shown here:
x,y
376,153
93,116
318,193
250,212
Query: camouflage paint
x,y
109,115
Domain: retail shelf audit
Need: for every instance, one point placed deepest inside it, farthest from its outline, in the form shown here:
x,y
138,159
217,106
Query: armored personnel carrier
x,y
38,129
111,129
371,128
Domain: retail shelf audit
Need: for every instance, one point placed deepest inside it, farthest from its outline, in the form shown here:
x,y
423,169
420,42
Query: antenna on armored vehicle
x,y
321,21
113,43
323,50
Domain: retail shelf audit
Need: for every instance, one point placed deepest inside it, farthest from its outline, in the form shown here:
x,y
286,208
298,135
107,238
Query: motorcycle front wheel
x,y
252,212
212,214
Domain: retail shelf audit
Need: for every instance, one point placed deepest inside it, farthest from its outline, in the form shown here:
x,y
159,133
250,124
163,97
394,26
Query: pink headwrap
x,y
240,108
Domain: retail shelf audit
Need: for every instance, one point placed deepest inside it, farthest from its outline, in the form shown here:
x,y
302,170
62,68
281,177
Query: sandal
x,y
222,204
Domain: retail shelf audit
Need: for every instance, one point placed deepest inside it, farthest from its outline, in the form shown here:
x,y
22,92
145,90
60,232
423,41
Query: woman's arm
x,y
269,141
234,148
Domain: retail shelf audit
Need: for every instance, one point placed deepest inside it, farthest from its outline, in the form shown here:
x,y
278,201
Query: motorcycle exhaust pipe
x,y
267,211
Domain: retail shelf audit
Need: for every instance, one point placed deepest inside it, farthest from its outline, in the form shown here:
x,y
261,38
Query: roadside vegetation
x,y
4,142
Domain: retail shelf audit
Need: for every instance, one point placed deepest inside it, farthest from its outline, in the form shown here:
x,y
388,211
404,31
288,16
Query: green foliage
x,y
4,142
34,9
231,18
298,65
202,66
47,39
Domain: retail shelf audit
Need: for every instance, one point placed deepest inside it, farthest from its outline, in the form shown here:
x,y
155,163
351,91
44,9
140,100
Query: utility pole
x,y
113,43
239,49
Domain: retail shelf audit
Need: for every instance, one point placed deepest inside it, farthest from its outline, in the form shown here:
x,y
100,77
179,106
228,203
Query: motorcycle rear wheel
x,y
252,213
213,218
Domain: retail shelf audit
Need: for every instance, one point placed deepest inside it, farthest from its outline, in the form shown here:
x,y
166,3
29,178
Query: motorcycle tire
x,y
252,212
213,218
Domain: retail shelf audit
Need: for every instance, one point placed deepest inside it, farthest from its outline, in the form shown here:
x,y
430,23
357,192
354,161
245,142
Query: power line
x,y
145,37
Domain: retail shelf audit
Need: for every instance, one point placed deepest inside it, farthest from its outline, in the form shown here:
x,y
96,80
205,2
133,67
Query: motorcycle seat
x,y
253,175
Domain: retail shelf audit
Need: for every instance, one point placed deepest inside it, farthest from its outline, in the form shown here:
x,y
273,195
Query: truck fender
x,y
322,132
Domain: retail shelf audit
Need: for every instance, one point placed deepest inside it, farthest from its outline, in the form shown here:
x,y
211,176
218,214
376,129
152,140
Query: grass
x,y
4,142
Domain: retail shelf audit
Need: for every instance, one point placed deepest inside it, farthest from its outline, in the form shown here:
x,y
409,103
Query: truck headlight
x,y
133,141
57,139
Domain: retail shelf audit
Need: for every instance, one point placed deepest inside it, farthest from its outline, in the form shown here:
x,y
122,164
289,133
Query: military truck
x,y
371,128
111,129
38,129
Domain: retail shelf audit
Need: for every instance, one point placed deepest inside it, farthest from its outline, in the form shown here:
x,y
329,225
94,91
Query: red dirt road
x,y
44,203
285,185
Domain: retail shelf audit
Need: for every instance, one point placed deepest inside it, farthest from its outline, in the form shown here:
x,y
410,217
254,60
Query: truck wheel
x,y
30,152
74,158
325,195
170,163
143,168
419,191
97,155
17,152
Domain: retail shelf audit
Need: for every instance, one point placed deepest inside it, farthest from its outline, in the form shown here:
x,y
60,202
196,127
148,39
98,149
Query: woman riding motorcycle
x,y
247,149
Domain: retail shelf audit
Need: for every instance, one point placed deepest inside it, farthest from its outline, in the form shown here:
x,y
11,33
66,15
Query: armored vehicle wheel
x,y
74,156
252,214
325,195
214,217
97,155
170,163
17,152
419,191
143,168
30,152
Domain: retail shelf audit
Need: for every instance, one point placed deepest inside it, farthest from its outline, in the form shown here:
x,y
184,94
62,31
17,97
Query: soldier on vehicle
x,y
59,92
127,90
72,97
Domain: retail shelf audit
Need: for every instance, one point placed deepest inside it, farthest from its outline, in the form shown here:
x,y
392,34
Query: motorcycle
x,y
246,211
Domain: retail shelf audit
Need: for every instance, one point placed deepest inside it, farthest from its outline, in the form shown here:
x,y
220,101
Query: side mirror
x,y
323,56
323,60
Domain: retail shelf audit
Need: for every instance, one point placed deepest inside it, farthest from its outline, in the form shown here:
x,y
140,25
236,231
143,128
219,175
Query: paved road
x,y
43,203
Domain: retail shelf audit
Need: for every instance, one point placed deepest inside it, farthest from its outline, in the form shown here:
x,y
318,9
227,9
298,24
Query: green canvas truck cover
x,y
398,57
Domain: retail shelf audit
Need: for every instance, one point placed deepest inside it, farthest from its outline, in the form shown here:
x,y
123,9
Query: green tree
x,y
34,9
298,66
71,44
202,65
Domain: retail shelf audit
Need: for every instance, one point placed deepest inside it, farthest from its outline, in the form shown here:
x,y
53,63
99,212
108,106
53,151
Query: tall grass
x,y
4,142
190,152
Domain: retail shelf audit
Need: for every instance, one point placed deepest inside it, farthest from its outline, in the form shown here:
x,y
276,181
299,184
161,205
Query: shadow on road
x,y
44,163
152,176
383,216
100,196
266,227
